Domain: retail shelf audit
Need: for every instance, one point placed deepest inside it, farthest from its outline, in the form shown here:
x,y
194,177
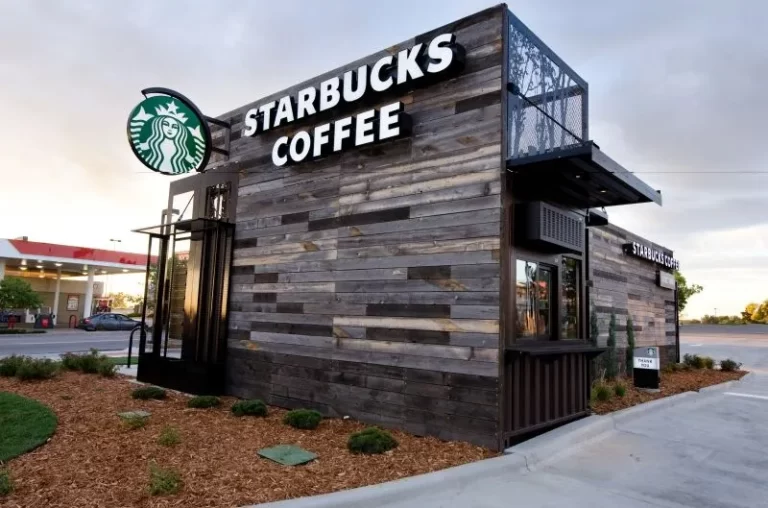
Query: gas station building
x,y
64,275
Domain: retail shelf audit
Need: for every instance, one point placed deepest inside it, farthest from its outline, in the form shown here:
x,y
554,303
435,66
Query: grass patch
x,y
620,390
371,440
169,436
6,483
303,418
123,360
203,402
163,481
254,407
25,423
148,392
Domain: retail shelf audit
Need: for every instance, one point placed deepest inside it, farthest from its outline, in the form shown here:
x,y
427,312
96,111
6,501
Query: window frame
x,y
555,262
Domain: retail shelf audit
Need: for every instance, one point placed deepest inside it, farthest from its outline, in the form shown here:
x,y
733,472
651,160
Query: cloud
x,y
676,94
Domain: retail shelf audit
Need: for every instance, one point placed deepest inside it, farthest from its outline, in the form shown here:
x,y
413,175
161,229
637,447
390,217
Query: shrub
x,y
709,362
729,365
10,365
371,440
611,363
108,369
89,363
42,368
148,392
303,418
134,422
254,407
163,481
620,389
602,392
203,402
669,368
696,361
169,436
630,356
6,484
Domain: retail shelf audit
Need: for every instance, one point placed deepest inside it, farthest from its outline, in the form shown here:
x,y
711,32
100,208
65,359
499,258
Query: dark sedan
x,y
108,321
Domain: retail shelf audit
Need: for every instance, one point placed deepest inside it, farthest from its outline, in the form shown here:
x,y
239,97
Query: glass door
x,y
535,300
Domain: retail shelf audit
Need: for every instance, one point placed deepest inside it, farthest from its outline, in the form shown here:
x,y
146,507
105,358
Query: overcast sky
x,y
677,94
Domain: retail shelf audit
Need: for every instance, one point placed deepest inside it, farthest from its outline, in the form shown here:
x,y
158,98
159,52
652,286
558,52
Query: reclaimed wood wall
x,y
367,283
627,286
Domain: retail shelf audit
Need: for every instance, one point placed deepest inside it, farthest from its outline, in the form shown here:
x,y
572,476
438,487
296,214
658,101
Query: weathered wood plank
x,y
455,232
345,275
284,265
463,285
445,325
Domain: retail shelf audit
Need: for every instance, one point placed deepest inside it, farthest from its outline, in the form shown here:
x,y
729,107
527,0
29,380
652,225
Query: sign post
x,y
645,371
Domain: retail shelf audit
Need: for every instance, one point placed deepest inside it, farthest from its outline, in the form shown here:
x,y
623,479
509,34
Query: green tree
x,y
684,291
760,314
611,363
594,330
123,300
748,311
17,293
630,345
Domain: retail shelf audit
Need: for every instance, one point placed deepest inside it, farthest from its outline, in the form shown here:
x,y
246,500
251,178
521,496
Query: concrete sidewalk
x,y
704,449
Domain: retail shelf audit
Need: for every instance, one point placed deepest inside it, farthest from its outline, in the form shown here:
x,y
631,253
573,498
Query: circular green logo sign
x,y
169,135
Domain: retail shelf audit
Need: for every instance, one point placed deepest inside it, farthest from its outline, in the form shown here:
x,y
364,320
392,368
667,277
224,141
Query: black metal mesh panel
x,y
547,106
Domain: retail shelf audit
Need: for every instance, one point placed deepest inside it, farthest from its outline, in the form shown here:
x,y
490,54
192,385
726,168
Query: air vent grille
x,y
561,228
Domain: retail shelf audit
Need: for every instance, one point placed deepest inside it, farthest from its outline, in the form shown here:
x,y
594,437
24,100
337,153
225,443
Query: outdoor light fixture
x,y
39,266
57,264
125,270
23,262
103,271
23,268
603,191
85,273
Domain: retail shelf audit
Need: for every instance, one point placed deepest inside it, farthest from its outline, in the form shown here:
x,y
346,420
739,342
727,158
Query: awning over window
x,y
579,176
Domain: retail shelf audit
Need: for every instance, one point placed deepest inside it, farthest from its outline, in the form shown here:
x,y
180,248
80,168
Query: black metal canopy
x,y
578,176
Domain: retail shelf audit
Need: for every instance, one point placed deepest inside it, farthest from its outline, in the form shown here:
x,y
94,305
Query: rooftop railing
x,y
548,101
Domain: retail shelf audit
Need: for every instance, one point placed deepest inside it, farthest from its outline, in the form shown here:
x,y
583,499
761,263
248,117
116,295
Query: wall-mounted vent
x,y
553,228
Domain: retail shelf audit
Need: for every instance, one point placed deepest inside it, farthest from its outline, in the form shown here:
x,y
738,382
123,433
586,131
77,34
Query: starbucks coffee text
x,y
411,67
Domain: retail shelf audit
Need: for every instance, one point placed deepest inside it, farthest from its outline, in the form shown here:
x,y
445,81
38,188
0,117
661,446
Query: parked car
x,y
108,321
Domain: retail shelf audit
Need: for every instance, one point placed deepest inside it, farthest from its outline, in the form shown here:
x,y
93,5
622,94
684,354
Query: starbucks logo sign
x,y
169,134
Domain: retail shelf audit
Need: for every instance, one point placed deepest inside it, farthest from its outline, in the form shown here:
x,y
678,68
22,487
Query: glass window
x,y
534,287
571,278
526,298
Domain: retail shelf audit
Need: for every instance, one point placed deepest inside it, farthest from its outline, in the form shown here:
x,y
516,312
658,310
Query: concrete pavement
x,y
705,449
746,344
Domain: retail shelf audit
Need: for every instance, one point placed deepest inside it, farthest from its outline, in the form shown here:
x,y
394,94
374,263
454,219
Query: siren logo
x,y
168,135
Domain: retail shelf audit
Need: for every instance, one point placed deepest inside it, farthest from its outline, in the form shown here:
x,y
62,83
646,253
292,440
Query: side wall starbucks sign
x,y
168,133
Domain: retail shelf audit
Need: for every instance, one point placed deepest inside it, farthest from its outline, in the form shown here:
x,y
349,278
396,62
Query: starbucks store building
x,y
417,239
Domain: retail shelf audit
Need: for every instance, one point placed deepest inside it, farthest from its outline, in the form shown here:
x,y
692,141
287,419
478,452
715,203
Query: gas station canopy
x,y
46,259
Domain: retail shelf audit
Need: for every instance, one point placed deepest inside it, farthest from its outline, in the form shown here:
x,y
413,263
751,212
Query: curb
x,y
562,440
525,457
394,492
727,384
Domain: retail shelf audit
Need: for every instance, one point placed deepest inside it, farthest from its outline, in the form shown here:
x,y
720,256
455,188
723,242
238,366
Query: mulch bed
x,y
93,460
671,383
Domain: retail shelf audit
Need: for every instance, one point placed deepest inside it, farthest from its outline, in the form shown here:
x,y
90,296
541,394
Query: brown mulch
x,y
671,383
94,461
